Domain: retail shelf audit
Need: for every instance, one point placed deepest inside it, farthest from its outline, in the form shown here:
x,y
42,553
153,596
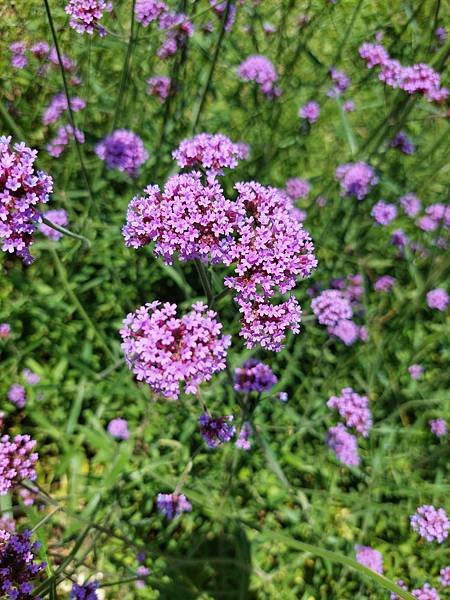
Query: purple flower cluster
x,y
178,29
384,283
341,82
58,104
65,133
438,427
17,461
309,111
17,395
216,431
86,14
344,445
122,150
330,307
30,377
403,143
259,69
18,57
165,351
356,179
348,106
254,376
86,591
243,442
431,523
118,428
438,299
212,152
147,11
416,79
219,8
416,371
159,86
22,188
411,204
354,409
172,505
5,331
384,212
445,576
297,188
370,558
426,592
18,568
58,217
435,215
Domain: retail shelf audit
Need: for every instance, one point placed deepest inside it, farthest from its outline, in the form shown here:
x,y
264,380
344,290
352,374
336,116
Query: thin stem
x,y
67,232
11,123
125,70
204,279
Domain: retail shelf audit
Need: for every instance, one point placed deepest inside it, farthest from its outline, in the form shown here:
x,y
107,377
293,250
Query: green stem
x,y
67,232
125,70
204,279
11,123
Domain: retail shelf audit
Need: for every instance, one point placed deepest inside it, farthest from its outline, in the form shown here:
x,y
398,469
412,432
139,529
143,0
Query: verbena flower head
x,y
22,189
356,179
347,331
58,104
441,34
86,591
17,395
416,371
172,505
401,584
18,566
254,376
65,133
373,54
58,217
399,238
341,82
17,461
411,204
142,572
344,445
438,299
370,558
259,69
384,283
297,188
243,442
147,11
426,593
18,57
384,212
403,143
30,377
349,106
179,28
431,523
445,576
122,150
212,152
216,431
330,307
438,427
40,49
159,86
354,409
118,428
309,111
167,352
219,7
86,14
5,331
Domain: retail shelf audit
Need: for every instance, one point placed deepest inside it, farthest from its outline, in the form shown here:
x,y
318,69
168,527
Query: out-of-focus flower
x,y
17,395
438,299
354,409
309,111
216,431
348,106
356,179
416,371
445,576
411,204
85,591
58,217
58,105
344,445
438,427
330,307
159,86
403,143
118,428
65,133
384,212
254,376
384,283
243,442
5,331
147,11
370,558
172,505
259,69
297,188
122,150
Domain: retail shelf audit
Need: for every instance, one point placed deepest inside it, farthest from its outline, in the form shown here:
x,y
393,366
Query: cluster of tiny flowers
x,y
344,445
18,568
333,308
354,409
309,111
403,143
341,82
86,591
384,212
410,204
166,351
438,427
426,593
297,188
254,376
416,371
58,217
63,136
216,431
431,523
438,299
58,104
159,86
142,572
5,331
445,576
17,395
348,106
179,28
384,283
416,79
172,505
212,152
118,428
17,461
370,558
30,377
122,150
356,179
330,307
441,34
259,69
22,188
66,62
219,7
243,442
18,58
86,14
435,215
147,11
351,287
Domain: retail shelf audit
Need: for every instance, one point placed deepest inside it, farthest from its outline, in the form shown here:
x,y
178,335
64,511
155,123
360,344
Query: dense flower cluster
x,y
356,179
65,133
17,461
410,204
384,283
438,427
348,106
178,29
18,57
86,14
254,376
17,395
30,377
445,576
22,188
426,592
344,445
354,409
431,523
309,111
436,215
212,152
18,566
122,150
86,591
333,308
259,69
5,331
216,431
297,188
403,143
58,217
370,558
341,82
147,11
330,307
416,371
58,104
172,505
166,351
438,299
159,86
243,442
118,428
384,212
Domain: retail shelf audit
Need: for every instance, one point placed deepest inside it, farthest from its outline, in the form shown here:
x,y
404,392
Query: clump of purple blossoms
x,y
86,14
18,58
30,377
438,299
178,28
142,572
356,179
297,188
411,204
58,104
66,62
370,558
426,592
65,133
17,395
384,283
118,428
166,351
374,54
341,82
354,409
384,212
243,442
122,150
58,217
416,371
330,307
259,69
349,106
212,152
441,34
309,111
445,576
159,86
5,331
348,331
86,591
344,445
436,214
431,523
254,376
438,427
216,431
147,11
403,143
219,7
17,461
22,188
172,505
18,568
40,49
